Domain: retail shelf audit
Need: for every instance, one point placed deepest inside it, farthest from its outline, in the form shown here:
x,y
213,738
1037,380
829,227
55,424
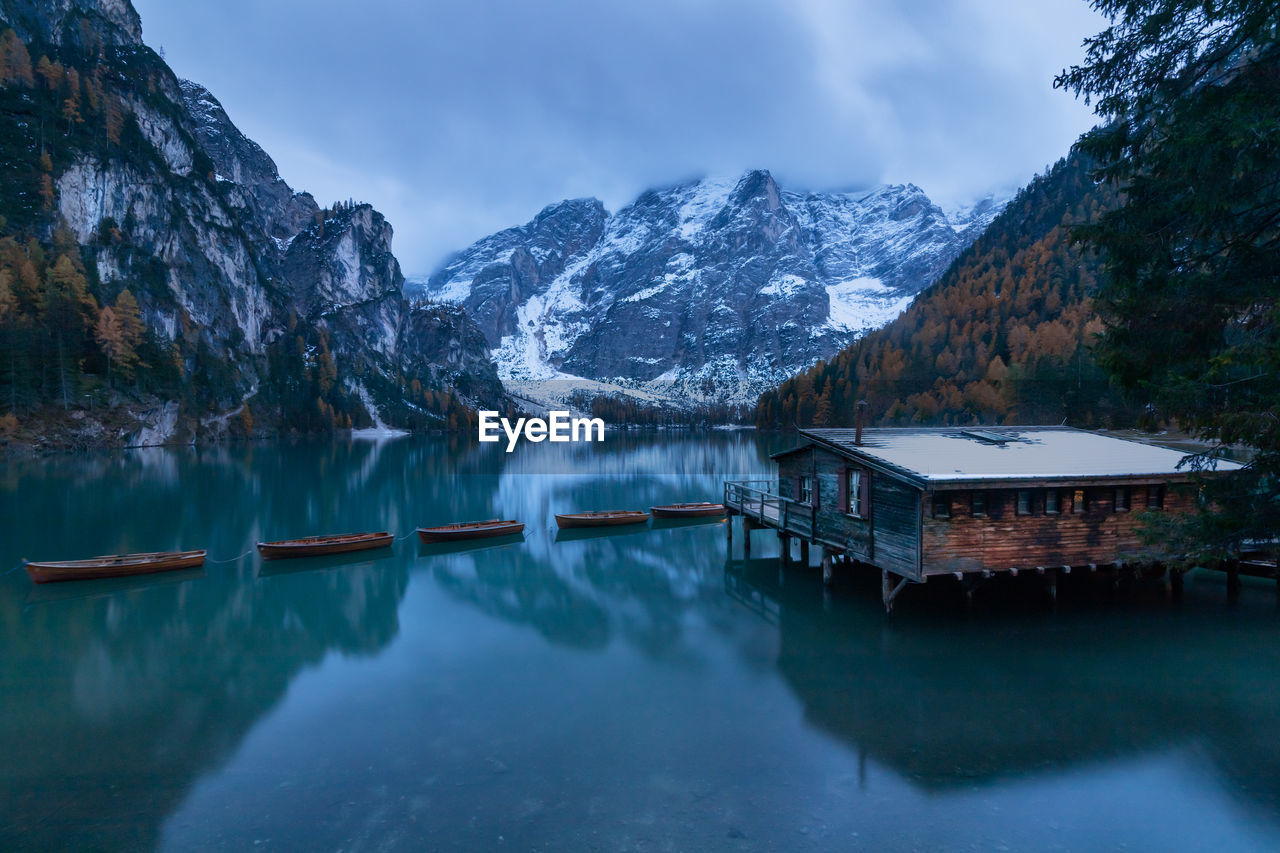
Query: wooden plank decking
x,y
751,499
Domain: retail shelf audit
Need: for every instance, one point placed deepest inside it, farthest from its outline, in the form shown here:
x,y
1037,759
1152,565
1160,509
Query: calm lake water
x,y
640,691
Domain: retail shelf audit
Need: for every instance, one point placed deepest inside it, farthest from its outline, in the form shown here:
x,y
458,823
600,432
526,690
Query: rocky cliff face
x,y
227,261
711,290
59,22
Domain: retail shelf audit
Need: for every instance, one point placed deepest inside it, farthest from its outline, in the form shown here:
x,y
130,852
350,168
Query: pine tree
x,y
1190,92
17,61
112,117
118,332
110,337
69,311
50,72
132,330
8,301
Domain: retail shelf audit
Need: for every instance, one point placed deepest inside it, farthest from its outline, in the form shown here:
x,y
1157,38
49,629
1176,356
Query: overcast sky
x,y
462,117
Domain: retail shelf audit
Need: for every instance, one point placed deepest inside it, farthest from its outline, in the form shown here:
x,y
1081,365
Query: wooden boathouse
x,y
966,502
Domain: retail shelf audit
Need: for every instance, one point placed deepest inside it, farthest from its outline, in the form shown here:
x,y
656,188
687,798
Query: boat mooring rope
x,y
232,559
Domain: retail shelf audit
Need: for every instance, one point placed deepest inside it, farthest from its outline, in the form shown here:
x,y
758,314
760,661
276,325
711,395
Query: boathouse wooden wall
x,y
903,535
888,537
1003,539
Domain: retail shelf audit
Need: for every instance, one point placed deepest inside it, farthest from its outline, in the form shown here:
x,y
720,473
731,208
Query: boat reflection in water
x,y
442,549
131,691
615,691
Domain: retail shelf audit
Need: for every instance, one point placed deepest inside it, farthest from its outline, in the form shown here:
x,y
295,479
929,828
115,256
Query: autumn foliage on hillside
x,y
1003,337
72,340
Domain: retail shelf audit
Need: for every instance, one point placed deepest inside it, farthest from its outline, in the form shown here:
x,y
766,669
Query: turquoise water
x,y
638,691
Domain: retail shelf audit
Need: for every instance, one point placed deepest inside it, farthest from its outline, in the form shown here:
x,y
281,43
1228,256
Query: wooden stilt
x,y
785,542
889,590
1233,581
827,570
804,552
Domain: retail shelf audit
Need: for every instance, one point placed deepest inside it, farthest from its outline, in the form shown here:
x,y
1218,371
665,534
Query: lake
x,y
640,691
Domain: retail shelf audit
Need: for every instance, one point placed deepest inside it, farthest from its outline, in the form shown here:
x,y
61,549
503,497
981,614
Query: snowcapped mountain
x,y
713,290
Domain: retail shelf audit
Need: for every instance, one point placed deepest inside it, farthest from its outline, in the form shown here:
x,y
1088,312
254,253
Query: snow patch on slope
x,y
863,304
785,285
702,201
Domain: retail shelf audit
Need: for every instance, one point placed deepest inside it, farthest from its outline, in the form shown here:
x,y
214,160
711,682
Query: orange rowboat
x,y
114,566
463,530
607,518
698,510
316,546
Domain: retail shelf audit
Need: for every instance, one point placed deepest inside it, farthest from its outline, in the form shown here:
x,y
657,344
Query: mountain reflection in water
x,y
624,690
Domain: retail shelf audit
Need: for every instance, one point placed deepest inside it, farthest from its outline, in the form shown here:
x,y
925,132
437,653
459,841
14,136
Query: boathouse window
x,y
978,504
941,505
1078,503
805,495
1052,502
1122,499
855,492
1024,502
1155,497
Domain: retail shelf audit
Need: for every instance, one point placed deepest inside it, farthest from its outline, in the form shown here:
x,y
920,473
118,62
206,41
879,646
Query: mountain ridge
x,y
713,289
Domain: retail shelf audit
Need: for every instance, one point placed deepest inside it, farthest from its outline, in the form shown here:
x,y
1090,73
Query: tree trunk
x,y
62,373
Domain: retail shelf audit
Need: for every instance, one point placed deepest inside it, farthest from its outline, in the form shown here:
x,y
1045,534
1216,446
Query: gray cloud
x,y
459,118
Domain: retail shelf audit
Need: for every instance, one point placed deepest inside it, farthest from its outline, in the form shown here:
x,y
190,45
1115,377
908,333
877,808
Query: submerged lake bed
x,y
645,689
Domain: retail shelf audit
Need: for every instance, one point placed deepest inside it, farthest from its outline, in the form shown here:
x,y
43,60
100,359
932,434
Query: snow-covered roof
x,y
1008,453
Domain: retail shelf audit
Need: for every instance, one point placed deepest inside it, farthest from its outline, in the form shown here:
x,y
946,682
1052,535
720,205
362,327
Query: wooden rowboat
x,y
469,530
606,518
114,566
461,546
315,546
696,510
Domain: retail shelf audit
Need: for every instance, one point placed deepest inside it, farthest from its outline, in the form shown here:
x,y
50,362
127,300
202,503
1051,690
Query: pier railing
x,y
752,498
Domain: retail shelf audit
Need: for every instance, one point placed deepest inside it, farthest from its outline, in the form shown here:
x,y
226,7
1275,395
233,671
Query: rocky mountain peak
x,y
710,289
573,208
756,216
241,162
566,226
758,184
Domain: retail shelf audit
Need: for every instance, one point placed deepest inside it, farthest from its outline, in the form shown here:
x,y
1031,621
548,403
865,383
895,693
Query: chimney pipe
x,y
857,423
